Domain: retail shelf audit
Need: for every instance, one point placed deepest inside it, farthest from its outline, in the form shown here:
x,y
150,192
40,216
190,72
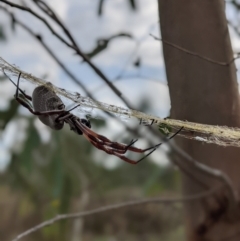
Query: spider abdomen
x,y
44,99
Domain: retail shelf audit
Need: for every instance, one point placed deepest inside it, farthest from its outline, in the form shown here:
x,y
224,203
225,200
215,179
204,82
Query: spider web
x,y
220,135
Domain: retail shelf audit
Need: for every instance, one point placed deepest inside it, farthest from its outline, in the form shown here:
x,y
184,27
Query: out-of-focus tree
x,y
206,93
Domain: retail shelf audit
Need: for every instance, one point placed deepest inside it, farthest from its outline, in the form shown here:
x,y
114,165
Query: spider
x,y
51,111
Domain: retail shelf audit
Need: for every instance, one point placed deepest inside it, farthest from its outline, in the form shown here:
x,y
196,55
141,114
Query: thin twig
x,y
50,52
195,54
53,16
113,208
40,18
74,47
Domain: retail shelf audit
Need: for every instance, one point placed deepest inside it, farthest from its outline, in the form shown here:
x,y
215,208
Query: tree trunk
x,y
202,92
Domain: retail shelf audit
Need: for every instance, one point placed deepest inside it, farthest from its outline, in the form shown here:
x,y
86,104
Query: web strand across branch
x,y
220,135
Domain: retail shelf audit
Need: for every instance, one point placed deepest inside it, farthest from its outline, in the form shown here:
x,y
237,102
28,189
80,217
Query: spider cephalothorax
x,y
51,111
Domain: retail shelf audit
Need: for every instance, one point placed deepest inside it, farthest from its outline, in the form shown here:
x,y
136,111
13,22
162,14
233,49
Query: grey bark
x,y
207,93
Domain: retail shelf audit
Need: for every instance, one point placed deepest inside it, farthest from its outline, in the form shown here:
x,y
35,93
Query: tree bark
x,y
207,93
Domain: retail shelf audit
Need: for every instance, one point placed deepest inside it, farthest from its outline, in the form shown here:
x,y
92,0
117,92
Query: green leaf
x,y
165,129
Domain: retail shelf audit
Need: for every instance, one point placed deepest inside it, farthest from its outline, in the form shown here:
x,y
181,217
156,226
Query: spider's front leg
x,y
23,93
26,104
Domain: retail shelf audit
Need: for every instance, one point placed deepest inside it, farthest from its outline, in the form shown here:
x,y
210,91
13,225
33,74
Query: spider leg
x,y
86,122
102,140
73,127
120,146
141,122
153,148
152,121
114,153
63,117
24,94
124,158
134,149
26,104
69,115
112,148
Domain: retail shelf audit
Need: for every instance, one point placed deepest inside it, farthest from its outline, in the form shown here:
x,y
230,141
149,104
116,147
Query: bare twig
x,y
46,9
195,54
74,47
40,18
113,208
50,52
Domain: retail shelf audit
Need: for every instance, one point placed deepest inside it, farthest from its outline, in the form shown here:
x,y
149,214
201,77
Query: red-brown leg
x,y
120,146
102,145
113,152
102,140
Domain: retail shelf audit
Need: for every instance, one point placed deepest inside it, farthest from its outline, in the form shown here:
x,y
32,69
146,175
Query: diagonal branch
x,y
115,207
195,54
46,9
23,8
74,46
50,52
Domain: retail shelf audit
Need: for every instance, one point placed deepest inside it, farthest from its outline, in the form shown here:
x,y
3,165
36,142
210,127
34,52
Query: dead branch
x,y
113,208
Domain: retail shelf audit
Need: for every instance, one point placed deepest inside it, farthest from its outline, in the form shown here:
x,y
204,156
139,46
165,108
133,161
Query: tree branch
x,y
23,8
74,46
113,208
195,54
